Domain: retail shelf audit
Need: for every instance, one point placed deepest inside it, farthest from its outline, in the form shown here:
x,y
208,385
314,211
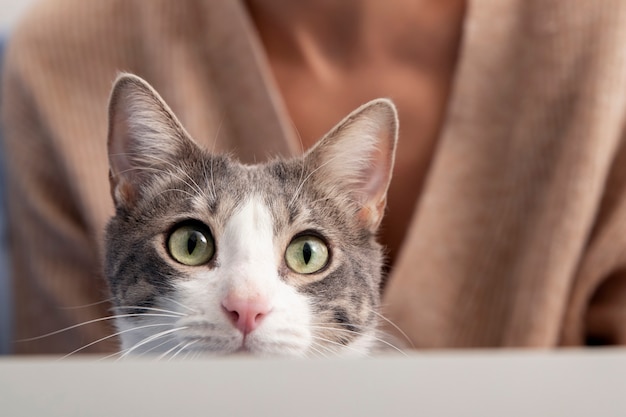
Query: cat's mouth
x,y
251,345
243,350
247,347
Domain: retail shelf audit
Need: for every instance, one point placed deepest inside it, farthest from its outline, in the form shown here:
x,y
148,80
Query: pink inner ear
x,y
120,166
119,143
357,157
144,135
131,102
377,178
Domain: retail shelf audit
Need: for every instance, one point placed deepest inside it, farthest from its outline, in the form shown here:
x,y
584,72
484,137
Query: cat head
x,y
208,255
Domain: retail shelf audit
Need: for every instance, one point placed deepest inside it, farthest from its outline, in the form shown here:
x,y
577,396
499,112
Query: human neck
x,y
349,31
297,29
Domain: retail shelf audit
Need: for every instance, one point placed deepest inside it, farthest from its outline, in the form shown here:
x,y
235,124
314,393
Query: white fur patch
x,y
247,265
247,262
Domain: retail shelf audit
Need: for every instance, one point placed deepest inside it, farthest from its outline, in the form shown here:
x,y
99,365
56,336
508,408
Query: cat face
x,y
208,255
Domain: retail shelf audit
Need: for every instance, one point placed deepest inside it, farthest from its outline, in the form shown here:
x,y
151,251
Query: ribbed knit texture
x,y
523,218
519,238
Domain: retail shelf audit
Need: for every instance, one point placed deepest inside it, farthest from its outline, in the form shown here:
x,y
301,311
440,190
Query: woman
x,y
505,218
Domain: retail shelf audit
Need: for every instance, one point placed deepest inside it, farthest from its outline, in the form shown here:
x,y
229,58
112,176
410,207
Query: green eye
x,y
191,245
306,254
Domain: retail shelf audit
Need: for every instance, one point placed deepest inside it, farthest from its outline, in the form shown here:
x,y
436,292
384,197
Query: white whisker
x,y
104,358
395,327
339,344
178,303
117,316
161,310
177,169
182,349
194,187
297,192
344,198
150,339
378,339
319,352
148,157
170,350
175,190
166,341
302,160
121,352
217,133
108,300
110,336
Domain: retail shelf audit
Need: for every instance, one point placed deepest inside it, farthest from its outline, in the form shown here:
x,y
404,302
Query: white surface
x,y
590,383
10,12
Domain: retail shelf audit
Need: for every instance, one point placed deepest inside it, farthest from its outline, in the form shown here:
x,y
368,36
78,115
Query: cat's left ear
x,y
357,157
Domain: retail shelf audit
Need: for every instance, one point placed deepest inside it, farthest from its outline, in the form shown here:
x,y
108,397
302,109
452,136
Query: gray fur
x,y
187,182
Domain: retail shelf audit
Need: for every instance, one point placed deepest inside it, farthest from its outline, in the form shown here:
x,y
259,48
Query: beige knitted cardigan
x,y
519,238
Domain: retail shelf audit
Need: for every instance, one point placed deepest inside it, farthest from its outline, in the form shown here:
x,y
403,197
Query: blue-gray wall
x,y
5,285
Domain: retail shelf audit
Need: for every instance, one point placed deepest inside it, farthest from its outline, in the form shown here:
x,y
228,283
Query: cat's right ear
x,y
144,137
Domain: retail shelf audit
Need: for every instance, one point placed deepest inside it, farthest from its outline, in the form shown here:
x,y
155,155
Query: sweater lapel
x,y
257,115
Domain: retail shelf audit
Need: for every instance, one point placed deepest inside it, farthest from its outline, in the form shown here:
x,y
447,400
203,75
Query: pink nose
x,y
246,313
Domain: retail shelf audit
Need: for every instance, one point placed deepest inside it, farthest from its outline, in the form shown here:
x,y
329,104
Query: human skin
x,y
328,57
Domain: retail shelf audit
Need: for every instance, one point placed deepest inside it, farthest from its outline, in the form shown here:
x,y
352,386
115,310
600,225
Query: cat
x,y
206,255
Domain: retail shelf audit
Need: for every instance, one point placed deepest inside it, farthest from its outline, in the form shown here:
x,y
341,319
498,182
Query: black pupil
x,y
306,252
192,242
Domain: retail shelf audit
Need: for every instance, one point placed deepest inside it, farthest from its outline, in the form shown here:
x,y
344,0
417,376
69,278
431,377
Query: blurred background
x,y
10,12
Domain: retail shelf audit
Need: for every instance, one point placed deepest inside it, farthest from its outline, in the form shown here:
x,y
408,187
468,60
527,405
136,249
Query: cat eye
x,y
191,244
306,254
